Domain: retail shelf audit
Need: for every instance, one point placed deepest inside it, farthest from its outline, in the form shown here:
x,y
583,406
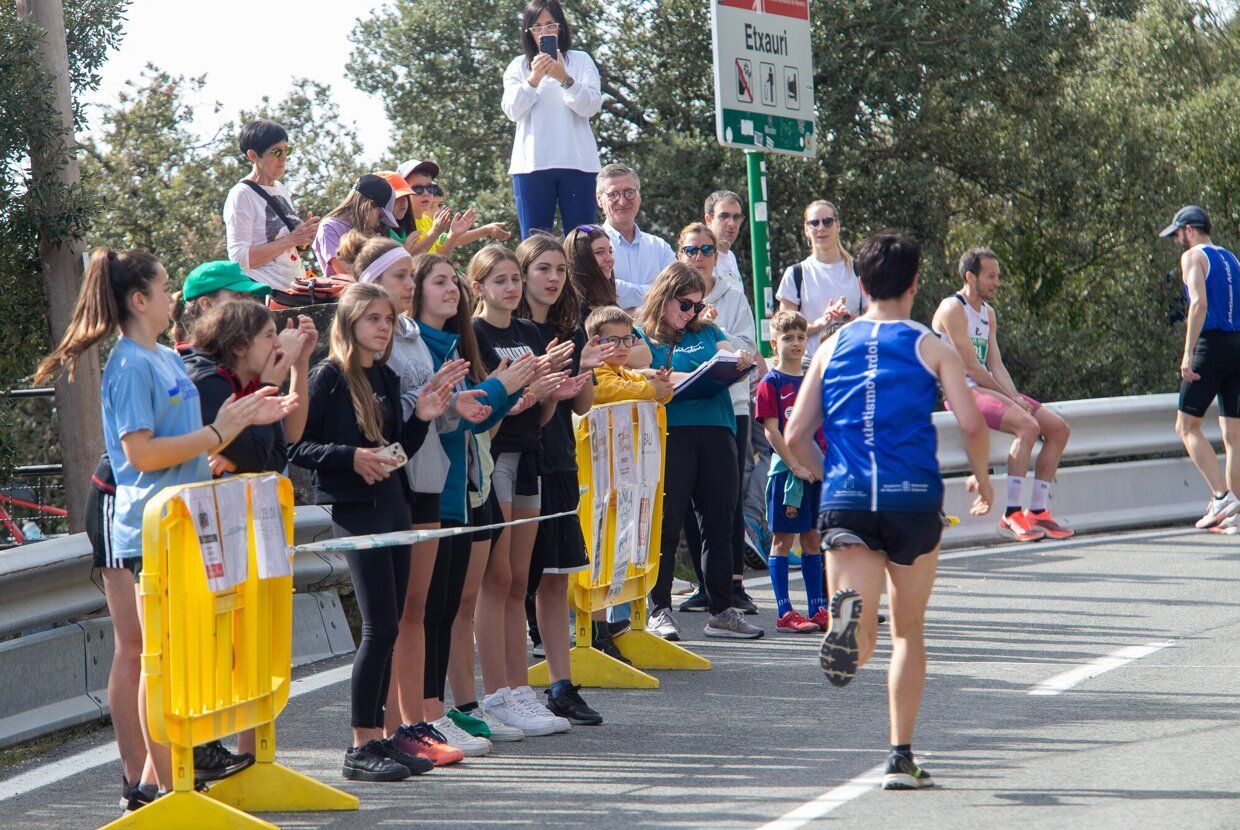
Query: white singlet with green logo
x,y
979,331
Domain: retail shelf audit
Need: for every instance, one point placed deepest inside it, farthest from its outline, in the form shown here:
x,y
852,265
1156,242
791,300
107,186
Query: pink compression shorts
x,y
993,406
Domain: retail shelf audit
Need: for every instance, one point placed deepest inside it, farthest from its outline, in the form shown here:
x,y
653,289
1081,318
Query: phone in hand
x,y
394,452
549,45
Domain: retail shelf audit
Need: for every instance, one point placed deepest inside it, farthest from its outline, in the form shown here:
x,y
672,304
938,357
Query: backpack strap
x,y
798,279
272,202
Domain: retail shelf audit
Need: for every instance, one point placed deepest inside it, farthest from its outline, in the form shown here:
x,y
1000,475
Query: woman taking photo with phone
x,y
155,437
356,437
552,91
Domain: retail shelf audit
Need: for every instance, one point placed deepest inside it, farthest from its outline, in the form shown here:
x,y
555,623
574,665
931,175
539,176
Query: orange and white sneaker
x,y
1053,529
425,741
1020,526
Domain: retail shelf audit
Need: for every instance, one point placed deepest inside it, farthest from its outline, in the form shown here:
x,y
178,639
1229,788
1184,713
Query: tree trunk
x,y
77,402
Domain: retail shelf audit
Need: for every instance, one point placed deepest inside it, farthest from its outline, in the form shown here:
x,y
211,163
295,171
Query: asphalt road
x,y
762,739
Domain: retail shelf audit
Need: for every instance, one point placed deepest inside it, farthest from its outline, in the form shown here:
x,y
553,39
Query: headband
x,y
375,269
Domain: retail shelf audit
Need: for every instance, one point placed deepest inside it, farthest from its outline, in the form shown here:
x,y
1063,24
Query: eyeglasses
x,y
625,340
685,305
826,223
280,152
694,250
544,27
628,194
724,216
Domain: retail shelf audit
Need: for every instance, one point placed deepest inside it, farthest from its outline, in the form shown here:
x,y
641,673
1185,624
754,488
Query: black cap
x,y
1189,216
377,190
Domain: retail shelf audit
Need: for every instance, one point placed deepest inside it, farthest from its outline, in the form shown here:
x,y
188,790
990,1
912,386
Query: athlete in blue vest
x,y
877,380
1210,367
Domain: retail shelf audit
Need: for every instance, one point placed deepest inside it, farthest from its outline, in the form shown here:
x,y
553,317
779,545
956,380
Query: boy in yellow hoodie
x,y
614,382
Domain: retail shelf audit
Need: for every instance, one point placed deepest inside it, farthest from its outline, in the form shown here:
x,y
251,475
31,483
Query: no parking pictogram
x,y
744,81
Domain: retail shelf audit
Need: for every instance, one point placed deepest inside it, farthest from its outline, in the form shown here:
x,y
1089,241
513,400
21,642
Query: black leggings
x,y
380,579
443,600
693,518
700,467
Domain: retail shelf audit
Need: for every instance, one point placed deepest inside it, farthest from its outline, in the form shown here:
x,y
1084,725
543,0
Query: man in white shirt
x,y
640,256
262,230
725,217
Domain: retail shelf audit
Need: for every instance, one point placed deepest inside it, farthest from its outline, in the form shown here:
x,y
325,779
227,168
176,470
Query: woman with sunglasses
x,y
700,461
727,308
823,287
551,92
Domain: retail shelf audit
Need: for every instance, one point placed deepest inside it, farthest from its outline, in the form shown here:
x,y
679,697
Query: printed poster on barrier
x,y
230,497
650,470
270,546
600,485
201,506
624,462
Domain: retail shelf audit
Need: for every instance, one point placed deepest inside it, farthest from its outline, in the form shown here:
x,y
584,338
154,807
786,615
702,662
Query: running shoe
x,y
469,723
822,619
796,624
729,624
370,762
539,650
662,624
904,774
1228,527
500,731
416,764
741,600
139,797
526,697
128,791
618,627
569,705
609,647
695,602
421,740
1052,528
1020,527
838,654
1218,509
471,745
212,762
507,709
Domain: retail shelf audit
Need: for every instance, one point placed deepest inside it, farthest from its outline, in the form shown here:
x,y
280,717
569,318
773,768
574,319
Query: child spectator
x,y
613,325
792,490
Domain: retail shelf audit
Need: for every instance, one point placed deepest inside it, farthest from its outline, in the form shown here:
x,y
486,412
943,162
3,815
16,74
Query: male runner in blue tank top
x,y
877,382
1210,366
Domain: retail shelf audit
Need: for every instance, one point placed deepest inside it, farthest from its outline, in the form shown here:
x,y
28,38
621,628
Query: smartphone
x,y
395,453
549,45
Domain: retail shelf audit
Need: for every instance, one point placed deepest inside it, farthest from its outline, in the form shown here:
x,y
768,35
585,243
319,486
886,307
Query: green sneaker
x,y
474,726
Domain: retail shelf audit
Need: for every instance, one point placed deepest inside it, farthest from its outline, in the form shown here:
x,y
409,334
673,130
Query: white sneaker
x,y
500,731
1229,526
471,745
662,624
507,709
1218,509
526,697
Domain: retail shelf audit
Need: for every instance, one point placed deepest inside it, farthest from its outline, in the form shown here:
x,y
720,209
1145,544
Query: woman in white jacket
x,y
552,98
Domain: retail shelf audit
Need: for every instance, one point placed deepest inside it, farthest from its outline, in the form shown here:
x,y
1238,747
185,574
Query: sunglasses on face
x,y
424,189
280,153
694,250
724,216
685,305
620,340
826,223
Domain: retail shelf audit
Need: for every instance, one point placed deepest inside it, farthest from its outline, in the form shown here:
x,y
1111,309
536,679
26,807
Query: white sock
x,y
1014,487
1041,495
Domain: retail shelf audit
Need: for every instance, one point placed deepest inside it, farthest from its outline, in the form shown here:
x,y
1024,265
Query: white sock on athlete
x,y
1041,495
1014,487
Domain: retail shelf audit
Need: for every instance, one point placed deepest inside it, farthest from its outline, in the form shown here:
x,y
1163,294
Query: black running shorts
x,y
1217,360
902,536
100,508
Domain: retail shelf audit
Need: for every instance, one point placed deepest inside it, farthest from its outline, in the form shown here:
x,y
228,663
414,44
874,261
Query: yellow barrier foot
x,y
271,788
646,651
189,809
591,667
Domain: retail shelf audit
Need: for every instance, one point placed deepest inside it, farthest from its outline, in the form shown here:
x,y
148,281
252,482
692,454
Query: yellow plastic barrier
x,y
620,450
220,662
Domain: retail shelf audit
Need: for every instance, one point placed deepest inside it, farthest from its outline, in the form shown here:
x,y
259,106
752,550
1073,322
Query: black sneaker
x,y
416,764
128,790
615,629
695,602
139,797
602,641
838,654
904,774
741,600
371,762
570,705
212,762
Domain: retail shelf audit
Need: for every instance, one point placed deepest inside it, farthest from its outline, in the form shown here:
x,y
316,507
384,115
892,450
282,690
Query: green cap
x,y
219,275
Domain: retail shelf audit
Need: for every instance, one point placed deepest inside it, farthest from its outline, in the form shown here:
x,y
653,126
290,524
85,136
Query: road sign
x,y
764,96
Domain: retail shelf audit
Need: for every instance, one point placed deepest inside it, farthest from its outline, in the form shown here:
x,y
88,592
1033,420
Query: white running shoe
x,y
1229,526
471,745
662,624
526,697
500,731
507,709
1218,509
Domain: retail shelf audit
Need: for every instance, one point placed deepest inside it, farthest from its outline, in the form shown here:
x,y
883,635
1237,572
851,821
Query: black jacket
x,y
332,434
258,449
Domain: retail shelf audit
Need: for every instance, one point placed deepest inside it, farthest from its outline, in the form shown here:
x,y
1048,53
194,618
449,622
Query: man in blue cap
x,y
1210,367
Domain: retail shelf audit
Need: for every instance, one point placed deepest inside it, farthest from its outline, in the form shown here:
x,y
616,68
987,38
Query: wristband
x,y
218,437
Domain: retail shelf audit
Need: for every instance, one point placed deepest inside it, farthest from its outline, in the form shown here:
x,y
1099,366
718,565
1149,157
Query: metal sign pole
x,y
760,250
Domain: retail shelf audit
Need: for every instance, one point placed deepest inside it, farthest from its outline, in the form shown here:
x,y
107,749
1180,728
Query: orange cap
x,y
400,187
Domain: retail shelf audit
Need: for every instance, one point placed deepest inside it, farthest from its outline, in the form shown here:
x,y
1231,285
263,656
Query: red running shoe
x,y
822,619
796,624
1021,527
1053,529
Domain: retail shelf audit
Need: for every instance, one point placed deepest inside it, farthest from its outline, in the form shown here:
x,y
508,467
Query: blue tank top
x,y
877,399
1222,289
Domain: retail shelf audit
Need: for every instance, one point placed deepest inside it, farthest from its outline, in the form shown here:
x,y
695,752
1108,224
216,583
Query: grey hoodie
x,y
736,320
412,363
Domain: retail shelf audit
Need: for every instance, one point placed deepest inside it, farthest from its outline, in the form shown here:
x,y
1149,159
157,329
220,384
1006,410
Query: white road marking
x,y
1066,680
828,801
63,768
1078,542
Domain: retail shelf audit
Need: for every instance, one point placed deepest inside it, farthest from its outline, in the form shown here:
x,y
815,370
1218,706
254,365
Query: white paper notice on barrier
x,y
650,470
230,497
624,462
201,506
600,461
270,545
